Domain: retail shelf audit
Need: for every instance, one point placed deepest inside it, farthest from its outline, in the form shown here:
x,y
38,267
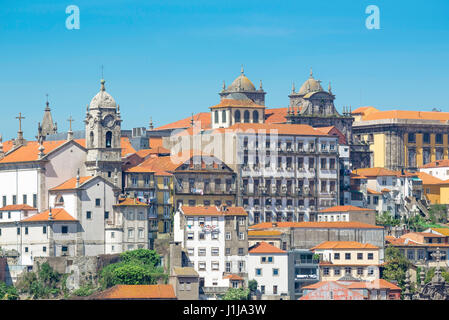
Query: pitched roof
x,y
436,164
204,118
157,165
429,179
263,247
443,231
212,211
320,224
276,115
344,245
333,131
58,214
345,209
364,110
71,183
233,277
131,202
153,291
403,114
185,271
18,207
375,172
371,191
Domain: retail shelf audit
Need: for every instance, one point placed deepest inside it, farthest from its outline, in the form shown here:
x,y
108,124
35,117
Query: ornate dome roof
x,y
102,99
242,83
311,85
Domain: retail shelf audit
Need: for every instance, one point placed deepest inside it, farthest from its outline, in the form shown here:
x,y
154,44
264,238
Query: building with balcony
x,y
215,239
303,270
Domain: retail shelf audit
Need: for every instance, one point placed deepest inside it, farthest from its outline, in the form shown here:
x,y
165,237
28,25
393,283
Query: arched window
x,y
255,116
246,116
91,139
223,116
108,139
216,116
237,116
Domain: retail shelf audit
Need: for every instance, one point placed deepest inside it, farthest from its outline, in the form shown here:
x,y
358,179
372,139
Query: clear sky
x,y
168,58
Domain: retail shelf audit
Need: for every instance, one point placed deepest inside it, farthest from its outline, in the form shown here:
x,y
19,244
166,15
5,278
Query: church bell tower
x,y
103,133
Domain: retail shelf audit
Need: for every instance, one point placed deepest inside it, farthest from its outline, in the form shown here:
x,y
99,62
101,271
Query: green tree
x,y
8,292
44,283
252,286
236,294
396,266
438,213
386,219
145,256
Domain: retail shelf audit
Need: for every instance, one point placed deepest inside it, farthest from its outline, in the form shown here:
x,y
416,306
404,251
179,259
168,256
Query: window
x,y
24,199
246,116
26,230
26,249
326,271
202,235
270,259
375,200
411,138
242,221
258,272
370,271
214,235
44,249
190,251
190,236
4,201
106,215
228,236
347,256
240,251
348,270
141,236
201,251
275,272
241,236
223,116
370,256
426,138
255,116
262,289
64,229
88,215
359,256
360,271
112,235
130,233
97,202
215,265
275,289
216,116
237,116
215,251
9,215
242,266
439,138
337,271
108,139
14,199
228,251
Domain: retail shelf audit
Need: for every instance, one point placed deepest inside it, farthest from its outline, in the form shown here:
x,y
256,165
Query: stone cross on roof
x,y
20,121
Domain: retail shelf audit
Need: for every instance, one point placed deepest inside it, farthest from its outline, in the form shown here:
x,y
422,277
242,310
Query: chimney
x,y
175,254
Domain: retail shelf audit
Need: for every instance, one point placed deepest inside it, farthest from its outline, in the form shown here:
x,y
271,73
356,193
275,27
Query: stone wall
x,y
3,269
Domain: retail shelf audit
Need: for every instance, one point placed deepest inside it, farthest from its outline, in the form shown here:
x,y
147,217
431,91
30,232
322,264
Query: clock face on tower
x,y
108,121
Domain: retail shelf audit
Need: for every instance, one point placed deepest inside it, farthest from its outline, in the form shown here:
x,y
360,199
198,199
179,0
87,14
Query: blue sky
x,y
168,58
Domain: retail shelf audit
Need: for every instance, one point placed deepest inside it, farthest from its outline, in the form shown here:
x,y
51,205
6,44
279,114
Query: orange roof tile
x,y
263,247
261,233
345,209
428,179
375,284
364,110
153,291
204,118
333,131
321,224
231,103
385,190
233,277
127,148
158,165
374,172
276,115
131,202
71,183
371,191
30,152
18,207
402,114
437,164
58,214
344,245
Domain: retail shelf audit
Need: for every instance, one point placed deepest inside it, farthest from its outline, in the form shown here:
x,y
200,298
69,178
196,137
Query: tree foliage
x,y
45,283
8,292
386,219
396,266
236,294
136,267
438,213
252,286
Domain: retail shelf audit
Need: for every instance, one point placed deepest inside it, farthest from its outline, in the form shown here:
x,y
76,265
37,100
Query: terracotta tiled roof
x,y
157,165
375,284
374,172
385,190
437,164
344,245
371,191
321,224
402,114
428,179
261,233
29,152
71,183
212,211
58,214
155,291
443,231
333,131
276,115
345,209
233,277
203,117
364,110
231,103
18,207
131,202
127,148
263,247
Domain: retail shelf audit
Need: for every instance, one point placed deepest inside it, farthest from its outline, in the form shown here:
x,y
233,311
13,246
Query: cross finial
x,y
70,120
311,72
20,121
242,71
